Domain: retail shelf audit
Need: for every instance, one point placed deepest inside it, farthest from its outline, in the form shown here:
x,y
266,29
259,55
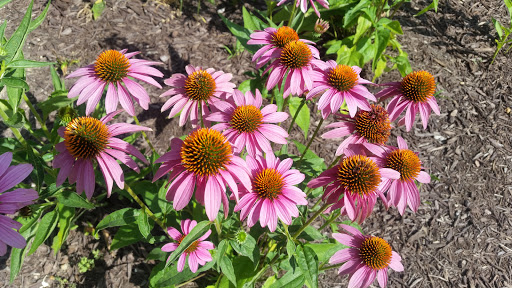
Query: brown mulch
x,y
461,235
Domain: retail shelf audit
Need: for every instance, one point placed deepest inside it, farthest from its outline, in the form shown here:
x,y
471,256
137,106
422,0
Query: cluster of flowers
x,y
209,158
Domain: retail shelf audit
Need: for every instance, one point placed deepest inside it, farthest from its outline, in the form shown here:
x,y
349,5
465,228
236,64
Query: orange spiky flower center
x,y
418,86
375,253
342,77
268,183
205,151
246,118
86,137
191,248
200,85
359,174
283,36
406,162
111,66
373,125
296,54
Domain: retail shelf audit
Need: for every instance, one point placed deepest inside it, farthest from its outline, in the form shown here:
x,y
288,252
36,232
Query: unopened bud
x,y
321,26
66,114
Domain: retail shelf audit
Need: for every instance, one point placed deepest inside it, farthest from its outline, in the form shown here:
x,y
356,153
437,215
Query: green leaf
x,y
46,227
290,280
3,3
38,172
2,30
381,41
126,235
241,33
18,255
379,69
36,22
55,79
248,20
97,9
143,223
14,83
54,103
195,234
403,64
290,247
162,276
308,263
119,218
27,64
333,46
303,119
157,254
270,280
432,5
244,270
394,26
66,215
324,251
220,251
311,234
14,45
498,27
71,199
363,24
248,248
353,13
227,268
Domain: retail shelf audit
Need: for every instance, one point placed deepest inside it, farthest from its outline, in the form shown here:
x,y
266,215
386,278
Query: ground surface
x,y
462,234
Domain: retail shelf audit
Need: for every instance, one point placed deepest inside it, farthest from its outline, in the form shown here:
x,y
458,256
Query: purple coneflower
x,y
371,126
199,88
368,257
403,191
87,138
296,59
274,40
273,193
12,201
416,93
246,125
112,69
354,184
197,252
204,163
338,83
304,5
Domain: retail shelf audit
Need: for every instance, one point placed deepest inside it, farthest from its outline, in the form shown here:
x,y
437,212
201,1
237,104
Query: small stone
x,y
64,267
164,58
477,164
453,113
66,31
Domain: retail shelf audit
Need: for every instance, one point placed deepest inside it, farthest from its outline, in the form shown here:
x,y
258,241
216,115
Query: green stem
x,y
193,279
200,112
145,135
296,114
218,227
333,217
14,130
334,162
292,15
312,138
322,268
310,220
38,117
144,207
316,204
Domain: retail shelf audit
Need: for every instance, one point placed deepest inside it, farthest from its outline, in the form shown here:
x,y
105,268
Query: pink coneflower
x,y
273,193
371,126
304,5
297,59
203,163
368,257
246,125
403,191
354,184
197,252
112,69
12,201
416,93
321,26
199,88
87,138
274,40
338,83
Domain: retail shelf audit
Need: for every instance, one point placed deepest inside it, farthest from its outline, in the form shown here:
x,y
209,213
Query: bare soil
x,y
462,234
